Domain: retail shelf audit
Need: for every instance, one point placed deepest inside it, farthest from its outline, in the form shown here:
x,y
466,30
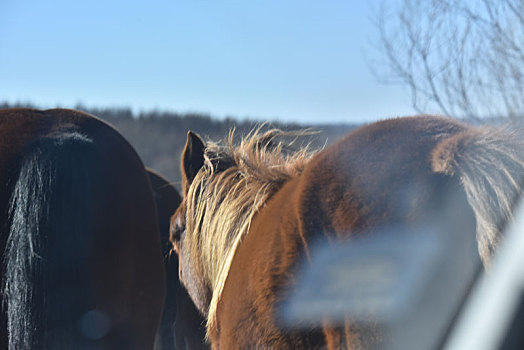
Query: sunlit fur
x,y
220,205
490,164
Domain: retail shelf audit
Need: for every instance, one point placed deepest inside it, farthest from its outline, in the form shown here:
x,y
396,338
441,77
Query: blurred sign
x,y
377,277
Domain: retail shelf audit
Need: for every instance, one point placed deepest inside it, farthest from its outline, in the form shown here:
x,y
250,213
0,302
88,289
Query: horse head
x,y
189,273
223,187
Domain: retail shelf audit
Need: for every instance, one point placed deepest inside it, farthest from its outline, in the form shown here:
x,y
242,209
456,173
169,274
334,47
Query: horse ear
x,y
192,158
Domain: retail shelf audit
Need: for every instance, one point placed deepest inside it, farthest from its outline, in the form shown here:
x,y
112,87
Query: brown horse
x,y
182,326
82,259
251,213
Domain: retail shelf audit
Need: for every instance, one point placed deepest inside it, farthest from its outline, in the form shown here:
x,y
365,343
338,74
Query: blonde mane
x,y
222,202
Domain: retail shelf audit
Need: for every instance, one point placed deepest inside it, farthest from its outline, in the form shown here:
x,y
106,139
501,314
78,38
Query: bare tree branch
x,y
464,59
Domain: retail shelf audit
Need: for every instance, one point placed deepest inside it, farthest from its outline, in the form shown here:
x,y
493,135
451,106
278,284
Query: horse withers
x,y
80,240
251,214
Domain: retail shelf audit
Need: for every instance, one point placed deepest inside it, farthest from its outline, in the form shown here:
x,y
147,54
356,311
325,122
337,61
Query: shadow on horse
x,y
182,326
251,213
80,237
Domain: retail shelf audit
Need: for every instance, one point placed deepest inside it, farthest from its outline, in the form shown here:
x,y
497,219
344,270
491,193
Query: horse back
x,y
381,174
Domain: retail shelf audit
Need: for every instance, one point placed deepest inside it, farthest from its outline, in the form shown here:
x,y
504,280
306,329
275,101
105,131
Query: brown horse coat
x,y
395,172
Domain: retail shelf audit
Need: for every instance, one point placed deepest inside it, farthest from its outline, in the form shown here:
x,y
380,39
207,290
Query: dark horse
x,y
251,212
49,158
80,240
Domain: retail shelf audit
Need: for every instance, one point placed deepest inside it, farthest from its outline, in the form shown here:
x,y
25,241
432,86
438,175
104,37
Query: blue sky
x,y
292,60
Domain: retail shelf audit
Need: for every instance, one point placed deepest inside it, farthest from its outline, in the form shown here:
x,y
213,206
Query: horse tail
x,y
490,164
46,275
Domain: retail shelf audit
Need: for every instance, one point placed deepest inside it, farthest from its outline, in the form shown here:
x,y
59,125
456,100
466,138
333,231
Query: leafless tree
x,y
463,58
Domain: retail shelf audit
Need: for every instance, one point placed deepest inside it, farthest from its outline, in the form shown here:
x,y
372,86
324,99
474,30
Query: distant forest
x,y
159,137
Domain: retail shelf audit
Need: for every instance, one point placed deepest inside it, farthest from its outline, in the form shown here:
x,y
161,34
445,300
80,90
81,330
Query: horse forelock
x,y
227,192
